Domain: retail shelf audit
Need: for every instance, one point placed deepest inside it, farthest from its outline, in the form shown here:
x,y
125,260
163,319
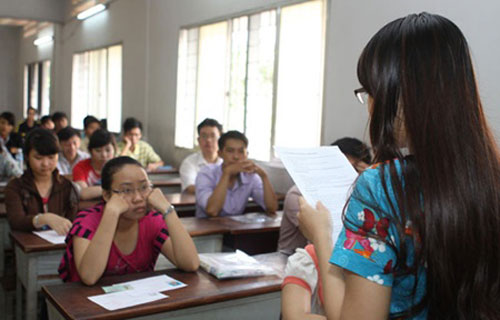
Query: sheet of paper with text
x,y
321,174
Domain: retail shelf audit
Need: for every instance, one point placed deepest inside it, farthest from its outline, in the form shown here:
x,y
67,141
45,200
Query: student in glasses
x,y
209,131
126,233
420,236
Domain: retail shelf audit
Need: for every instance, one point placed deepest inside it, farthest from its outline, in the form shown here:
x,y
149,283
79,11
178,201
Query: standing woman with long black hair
x,y
421,232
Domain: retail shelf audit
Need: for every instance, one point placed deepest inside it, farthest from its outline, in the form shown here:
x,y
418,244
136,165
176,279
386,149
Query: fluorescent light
x,y
43,40
91,11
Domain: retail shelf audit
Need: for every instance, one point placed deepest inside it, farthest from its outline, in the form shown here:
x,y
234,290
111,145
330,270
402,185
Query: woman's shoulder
x,y
377,178
90,214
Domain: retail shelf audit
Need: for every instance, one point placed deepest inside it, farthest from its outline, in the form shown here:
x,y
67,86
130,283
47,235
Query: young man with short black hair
x,y
60,120
224,189
132,146
90,124
29,124
11,140
70,154
209,131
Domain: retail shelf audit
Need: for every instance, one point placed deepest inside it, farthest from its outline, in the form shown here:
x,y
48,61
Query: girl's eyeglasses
x,y
361,95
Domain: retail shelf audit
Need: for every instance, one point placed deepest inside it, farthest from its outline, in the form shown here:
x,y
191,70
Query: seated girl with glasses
x,y
87,173
126,233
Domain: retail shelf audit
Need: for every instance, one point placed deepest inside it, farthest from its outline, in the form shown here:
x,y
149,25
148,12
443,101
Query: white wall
x,y
41,10
10,91
149,30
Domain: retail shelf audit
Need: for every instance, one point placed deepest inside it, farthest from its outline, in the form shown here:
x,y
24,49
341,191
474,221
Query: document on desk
x,y
125,299
156,284
51,236
321,174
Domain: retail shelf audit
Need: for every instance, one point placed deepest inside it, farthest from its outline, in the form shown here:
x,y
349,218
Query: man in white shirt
x,y
209,131
70,154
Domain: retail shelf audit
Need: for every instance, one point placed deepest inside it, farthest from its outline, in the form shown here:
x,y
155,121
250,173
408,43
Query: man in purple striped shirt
x,y
223,190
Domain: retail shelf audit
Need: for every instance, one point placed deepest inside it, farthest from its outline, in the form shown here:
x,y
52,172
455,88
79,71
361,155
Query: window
x,y
37,87
261,74
97,87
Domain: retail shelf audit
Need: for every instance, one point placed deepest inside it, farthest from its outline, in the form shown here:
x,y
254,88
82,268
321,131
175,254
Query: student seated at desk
x,y
291,237
132,146
9,167
47,123
209,131
224,189
90,125
11,140
41,197
29,124
87,173
60,120
127,232
69,139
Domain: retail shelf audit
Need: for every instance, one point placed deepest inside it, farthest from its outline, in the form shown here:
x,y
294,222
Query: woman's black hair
x,y
420,77
354,148
100,138
113,166
44,141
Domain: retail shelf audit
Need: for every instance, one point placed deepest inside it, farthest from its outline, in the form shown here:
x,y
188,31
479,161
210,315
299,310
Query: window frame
x,y
229,18
27,76
106,46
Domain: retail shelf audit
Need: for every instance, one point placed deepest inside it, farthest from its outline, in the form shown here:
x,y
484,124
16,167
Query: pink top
x,y
83,171
152,234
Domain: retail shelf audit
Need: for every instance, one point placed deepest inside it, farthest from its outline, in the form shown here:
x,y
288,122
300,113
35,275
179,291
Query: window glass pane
x,y
114,81
79,90
97,87
234,115
45,89
186,88
299,92
211,82
33,101
26,88
260,83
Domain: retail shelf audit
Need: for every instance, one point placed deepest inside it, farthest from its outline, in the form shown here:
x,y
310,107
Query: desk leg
x,y
19,299
31,291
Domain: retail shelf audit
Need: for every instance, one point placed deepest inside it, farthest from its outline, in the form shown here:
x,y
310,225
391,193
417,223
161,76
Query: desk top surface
x,y
71,298
196,227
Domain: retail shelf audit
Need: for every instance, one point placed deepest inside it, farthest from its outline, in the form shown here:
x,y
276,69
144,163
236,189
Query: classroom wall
x,y
41,10
149,32
10,90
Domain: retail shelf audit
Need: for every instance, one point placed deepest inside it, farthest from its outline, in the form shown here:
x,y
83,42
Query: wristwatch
x,y
169,210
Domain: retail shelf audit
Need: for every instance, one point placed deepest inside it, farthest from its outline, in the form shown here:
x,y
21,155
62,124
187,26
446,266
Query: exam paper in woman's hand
x,y
321,174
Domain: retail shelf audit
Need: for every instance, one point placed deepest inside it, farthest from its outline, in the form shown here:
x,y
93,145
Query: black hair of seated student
x,y
355,148
420,76
210,123
131,123
44,141
9,117
233,134
57,116
45,119
67,133
100,138
113,166
88,120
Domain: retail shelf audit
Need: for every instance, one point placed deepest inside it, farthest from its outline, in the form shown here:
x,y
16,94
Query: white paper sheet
x,y
125,299
51,236
154,284
136,292
321,174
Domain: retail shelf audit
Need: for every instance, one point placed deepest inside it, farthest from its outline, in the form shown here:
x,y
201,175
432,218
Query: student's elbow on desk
x,y
212,212
192,265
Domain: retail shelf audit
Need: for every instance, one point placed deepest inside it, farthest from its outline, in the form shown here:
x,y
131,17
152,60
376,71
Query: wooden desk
x,y
205,297
38,260
161,171
169,185
36,264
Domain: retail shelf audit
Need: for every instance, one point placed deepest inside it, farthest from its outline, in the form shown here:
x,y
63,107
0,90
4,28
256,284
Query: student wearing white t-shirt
x,y
209,131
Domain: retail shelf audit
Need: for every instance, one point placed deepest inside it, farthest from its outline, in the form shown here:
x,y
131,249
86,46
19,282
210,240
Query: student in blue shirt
x,y
420,236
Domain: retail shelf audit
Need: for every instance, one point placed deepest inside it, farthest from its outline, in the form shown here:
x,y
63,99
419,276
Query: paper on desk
x,y
125,299
321,174
154,284
51,236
